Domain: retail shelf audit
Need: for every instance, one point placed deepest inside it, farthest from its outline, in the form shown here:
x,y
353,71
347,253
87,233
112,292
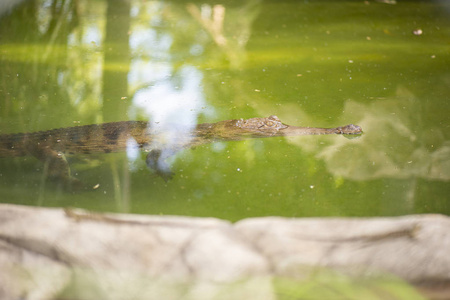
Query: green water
x,y
385,67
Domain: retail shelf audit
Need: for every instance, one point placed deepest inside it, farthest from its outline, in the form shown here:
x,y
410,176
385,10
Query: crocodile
x,y
52,146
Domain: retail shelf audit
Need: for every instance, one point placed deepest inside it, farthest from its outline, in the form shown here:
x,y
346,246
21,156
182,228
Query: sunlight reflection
x,y
150,42
133,153
178,99
173,106
168,94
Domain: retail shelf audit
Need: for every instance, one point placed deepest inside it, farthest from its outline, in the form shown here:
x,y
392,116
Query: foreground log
x,y
74,254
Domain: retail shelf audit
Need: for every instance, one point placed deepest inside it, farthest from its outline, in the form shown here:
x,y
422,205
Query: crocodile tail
x,y
12,145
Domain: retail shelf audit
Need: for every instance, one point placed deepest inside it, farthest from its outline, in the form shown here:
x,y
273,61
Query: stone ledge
x,y
47,252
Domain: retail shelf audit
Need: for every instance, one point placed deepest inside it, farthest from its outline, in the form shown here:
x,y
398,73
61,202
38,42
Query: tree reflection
x,y
33,60
116,60
229,27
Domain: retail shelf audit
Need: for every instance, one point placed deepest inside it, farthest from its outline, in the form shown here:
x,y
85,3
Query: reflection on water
x,y
397,143
173,105
180,63
7,5
232,36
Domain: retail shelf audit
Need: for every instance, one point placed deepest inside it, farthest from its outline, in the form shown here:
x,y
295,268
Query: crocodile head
x,y
272,123
265,127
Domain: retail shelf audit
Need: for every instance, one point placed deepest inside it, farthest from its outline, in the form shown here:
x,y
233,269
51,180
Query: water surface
x,y
382,65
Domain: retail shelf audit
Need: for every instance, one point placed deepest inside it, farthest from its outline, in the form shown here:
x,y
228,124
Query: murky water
x,y
383,65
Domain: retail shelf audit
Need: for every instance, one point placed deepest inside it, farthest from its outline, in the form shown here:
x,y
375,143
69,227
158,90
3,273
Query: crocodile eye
x,y
270,123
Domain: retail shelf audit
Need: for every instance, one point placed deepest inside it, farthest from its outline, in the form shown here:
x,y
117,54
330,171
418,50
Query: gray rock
x,y
55,253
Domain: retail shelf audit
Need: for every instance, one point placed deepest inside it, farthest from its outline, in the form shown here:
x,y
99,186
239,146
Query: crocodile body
x,y
51,146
